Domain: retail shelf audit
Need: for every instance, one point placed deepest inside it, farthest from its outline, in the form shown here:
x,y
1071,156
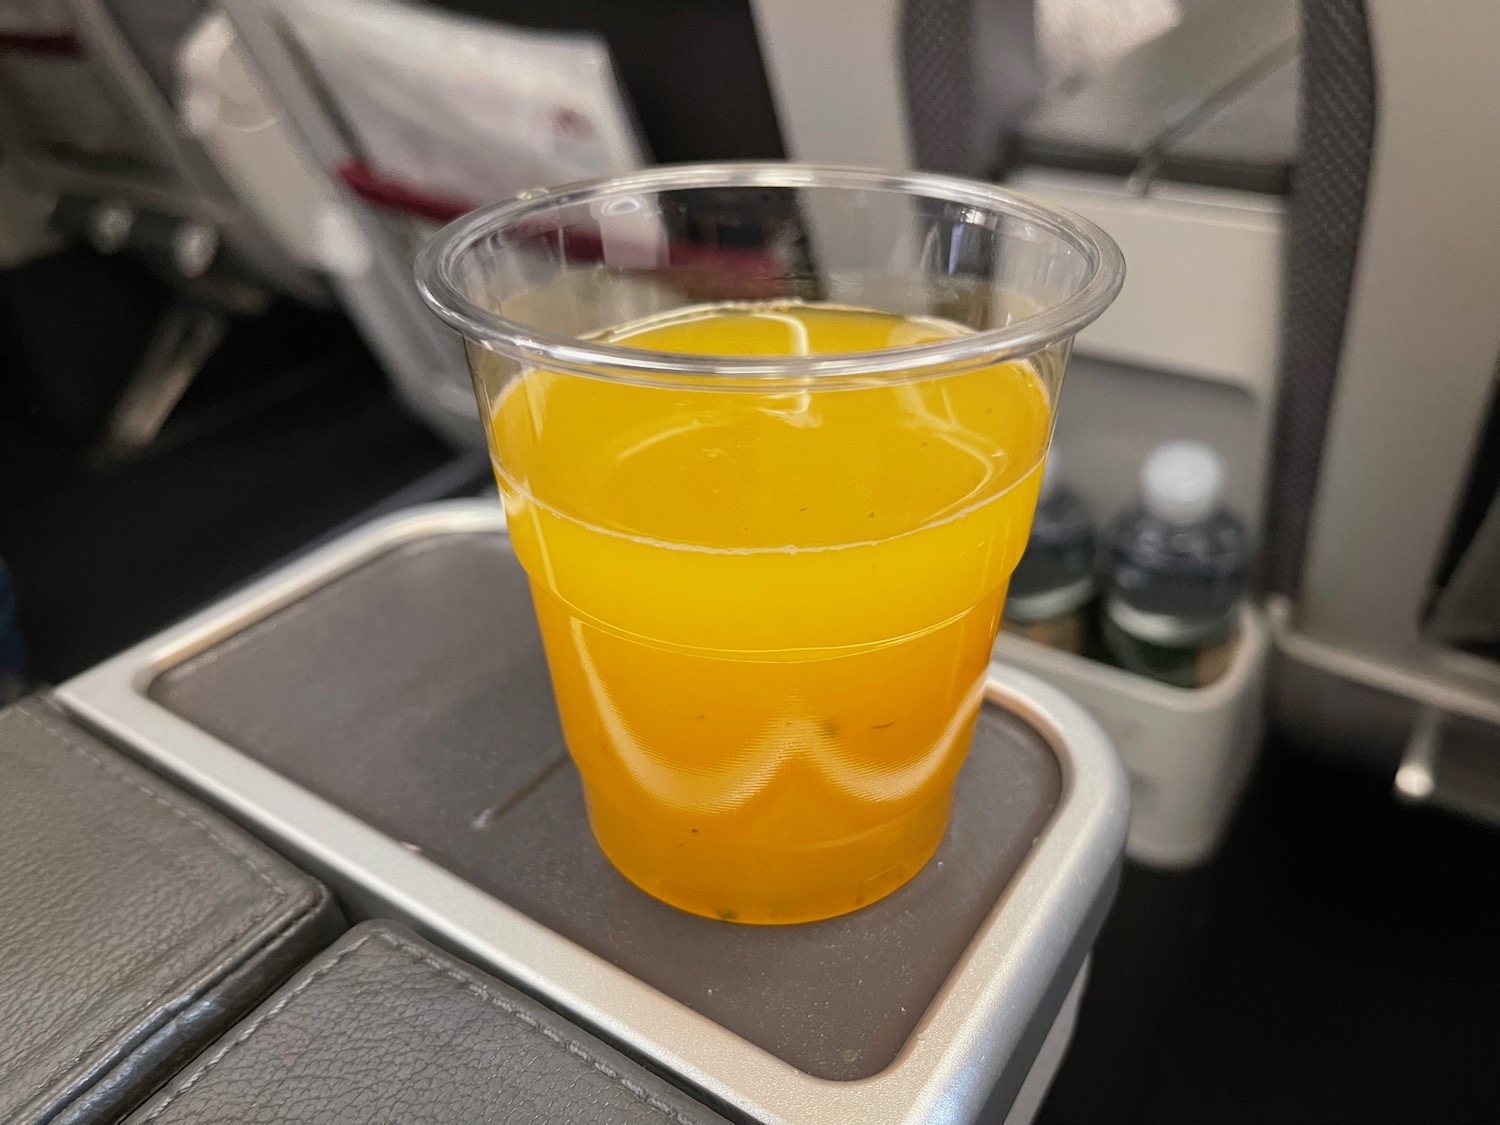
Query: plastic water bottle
x,y
1054,583
1177,571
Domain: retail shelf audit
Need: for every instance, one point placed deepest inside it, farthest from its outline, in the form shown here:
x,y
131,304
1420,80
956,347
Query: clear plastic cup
x,y
769,439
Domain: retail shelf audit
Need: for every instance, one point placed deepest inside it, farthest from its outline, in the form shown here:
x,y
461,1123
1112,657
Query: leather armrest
x,y
385,1028
136,924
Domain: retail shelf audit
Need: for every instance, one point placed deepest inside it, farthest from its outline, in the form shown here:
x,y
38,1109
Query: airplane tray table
x,y
381,710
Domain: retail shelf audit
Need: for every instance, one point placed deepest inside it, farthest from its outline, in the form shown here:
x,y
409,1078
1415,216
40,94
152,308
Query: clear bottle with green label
x,y
1177,569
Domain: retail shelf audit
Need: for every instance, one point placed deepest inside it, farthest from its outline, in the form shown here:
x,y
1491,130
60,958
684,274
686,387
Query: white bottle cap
x,y
1182,481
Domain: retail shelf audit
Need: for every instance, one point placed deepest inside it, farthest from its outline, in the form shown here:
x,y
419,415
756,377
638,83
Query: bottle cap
x,y
1182,481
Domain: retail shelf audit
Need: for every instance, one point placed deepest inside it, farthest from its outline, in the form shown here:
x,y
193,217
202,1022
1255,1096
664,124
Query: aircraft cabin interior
x,y
768,562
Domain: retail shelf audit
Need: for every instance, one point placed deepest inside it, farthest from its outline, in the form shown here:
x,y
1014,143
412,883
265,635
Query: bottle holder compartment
x,y
1187,750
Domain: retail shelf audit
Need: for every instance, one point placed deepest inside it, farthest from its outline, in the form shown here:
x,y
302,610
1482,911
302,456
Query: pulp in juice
x,y
768,612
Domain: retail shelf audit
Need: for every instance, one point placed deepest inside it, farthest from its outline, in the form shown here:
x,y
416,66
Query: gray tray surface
x,y
413,693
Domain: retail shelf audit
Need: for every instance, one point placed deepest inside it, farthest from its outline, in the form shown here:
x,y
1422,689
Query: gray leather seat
x,y
385,1028
137,925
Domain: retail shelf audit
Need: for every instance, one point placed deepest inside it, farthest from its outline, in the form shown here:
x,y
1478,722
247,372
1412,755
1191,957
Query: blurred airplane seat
x,y
94,153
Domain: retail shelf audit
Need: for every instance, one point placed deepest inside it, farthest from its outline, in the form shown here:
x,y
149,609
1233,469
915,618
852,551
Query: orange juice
x,y
768,613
